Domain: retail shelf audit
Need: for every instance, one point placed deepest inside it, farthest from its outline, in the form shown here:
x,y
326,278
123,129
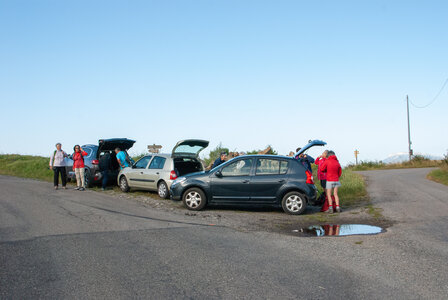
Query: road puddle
x,y
339,230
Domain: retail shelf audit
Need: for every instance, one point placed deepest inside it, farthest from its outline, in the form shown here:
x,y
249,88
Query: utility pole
x,y
356,156
409,129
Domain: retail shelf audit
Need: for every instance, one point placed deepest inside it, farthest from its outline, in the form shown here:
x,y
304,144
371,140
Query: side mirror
x,y
218,174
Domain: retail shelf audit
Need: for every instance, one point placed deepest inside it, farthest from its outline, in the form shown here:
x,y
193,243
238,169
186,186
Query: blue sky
x,y
244,73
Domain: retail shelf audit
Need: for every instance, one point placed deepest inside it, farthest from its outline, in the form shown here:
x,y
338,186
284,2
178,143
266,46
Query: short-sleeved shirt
x,y
122,157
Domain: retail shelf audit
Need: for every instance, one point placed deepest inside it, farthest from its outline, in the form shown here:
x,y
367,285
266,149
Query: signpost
x,y
154,148
356,156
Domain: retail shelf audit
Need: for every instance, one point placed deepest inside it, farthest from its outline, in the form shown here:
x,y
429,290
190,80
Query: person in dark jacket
x,y
305,160
105,167
334,171
220,160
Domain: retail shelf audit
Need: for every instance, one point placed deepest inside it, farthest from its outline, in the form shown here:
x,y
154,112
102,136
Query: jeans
x,y
105,178
56,171
80,177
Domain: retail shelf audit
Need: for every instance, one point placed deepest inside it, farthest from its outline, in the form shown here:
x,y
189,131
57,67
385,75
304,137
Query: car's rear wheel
x,y
87,178
294,203
124,186
162,190
194,199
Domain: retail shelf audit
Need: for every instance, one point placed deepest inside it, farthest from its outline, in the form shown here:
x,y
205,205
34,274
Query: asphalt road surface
x,y
70,244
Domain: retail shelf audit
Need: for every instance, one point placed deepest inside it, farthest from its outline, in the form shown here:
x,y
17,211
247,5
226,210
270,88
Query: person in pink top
x,y
78,167
321,176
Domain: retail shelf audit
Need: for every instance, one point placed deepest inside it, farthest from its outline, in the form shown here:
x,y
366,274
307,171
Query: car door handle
x,y
141,172
245,181
157,173
282,181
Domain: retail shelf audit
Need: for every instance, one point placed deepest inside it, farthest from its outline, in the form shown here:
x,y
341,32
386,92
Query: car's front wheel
x,y
294,203
194,199
162,190
124,186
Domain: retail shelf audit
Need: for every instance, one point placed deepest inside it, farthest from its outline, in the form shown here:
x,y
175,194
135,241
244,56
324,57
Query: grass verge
x,y
439,175
26,166
416,162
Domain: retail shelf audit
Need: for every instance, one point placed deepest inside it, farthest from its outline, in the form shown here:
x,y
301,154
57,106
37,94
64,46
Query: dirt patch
x,y
261,219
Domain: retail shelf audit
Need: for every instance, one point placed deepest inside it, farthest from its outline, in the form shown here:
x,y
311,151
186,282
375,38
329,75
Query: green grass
x,y
439,175
416,162
26,166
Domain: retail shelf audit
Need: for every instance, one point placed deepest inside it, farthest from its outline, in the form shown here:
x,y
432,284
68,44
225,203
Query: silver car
x,y
156,172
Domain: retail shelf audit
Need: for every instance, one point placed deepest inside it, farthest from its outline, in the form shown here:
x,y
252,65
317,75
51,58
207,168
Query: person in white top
x,y
57,164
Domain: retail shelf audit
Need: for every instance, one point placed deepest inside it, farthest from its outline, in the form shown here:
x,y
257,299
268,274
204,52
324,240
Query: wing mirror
x,y
218,174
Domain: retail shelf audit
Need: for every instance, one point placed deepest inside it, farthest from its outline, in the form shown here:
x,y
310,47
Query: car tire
x,y
162,190
194,199
294,203
87,178
124,186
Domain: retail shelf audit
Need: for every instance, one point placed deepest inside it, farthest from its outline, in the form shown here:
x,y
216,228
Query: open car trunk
x,y
109,145
189,148
309,145
187,165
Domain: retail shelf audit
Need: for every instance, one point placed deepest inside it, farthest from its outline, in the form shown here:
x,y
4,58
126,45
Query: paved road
x,y
69,244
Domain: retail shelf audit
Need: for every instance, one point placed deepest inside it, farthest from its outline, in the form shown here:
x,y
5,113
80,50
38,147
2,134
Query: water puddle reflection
x,y
339,230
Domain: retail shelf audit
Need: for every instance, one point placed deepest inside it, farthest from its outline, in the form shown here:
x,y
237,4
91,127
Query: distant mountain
x,y
403,156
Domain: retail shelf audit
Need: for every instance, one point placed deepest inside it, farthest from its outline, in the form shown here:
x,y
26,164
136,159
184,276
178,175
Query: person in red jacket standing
x,y
78,167
334,172
321,176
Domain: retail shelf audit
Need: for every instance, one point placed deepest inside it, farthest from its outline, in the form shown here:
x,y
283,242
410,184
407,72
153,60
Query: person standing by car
x,y
334,171
220,160
105,166
321,176
122,158
78,167
305,159
57,164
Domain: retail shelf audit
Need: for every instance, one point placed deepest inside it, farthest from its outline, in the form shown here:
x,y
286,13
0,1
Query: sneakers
x,y
338,209
329,210
55,187
76,188
82,189
64,187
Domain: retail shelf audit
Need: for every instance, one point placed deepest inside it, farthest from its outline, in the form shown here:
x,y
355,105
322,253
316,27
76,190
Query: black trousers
x,y
56,171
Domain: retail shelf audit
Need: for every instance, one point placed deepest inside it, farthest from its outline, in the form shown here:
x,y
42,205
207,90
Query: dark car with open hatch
x,y
250,180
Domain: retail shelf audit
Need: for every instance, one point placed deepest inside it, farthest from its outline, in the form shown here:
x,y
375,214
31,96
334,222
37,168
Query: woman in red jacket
x,y
78,167
321,176
334,172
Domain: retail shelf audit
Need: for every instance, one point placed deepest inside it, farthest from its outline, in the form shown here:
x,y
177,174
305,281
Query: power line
x,y
435,98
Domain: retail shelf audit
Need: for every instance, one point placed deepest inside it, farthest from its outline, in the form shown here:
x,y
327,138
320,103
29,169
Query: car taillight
x,y
309,177
95,162
173,175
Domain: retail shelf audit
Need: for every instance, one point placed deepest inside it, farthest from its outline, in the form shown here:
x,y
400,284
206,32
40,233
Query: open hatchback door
x,y
309,145
190,148
110,144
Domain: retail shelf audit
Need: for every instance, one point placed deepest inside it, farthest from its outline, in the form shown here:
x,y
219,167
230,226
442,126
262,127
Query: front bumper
x,y
176,191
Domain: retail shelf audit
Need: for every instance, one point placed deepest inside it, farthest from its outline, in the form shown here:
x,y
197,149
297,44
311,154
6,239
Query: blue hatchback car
x,y
251,180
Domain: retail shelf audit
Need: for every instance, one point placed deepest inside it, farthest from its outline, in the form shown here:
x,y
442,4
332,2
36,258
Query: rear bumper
x,y
312,193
